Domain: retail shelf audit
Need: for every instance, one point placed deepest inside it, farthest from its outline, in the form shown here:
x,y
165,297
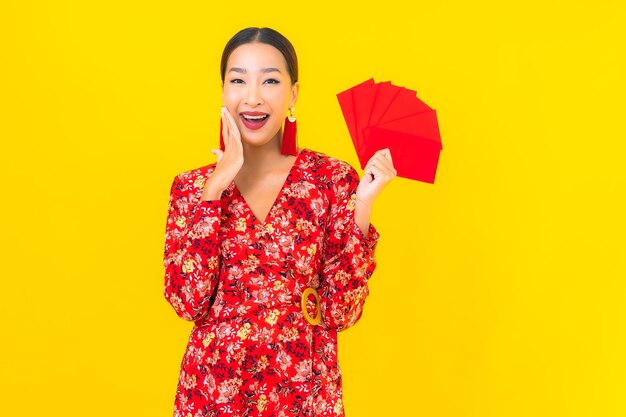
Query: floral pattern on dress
x,y
251,352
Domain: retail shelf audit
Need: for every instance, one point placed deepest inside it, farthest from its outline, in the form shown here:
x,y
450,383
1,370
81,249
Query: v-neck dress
x,y
251,351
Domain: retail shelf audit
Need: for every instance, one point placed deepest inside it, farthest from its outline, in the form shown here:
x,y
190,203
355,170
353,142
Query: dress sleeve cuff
x,y
369,243
204,208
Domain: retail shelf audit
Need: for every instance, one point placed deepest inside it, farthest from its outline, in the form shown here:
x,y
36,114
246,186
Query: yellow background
x,y
500,289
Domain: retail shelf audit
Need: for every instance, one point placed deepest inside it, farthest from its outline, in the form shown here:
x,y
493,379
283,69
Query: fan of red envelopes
x,y
383,115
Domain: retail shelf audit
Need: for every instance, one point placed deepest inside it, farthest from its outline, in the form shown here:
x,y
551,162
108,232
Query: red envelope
x,y
347,107
362,98
385,94
381,115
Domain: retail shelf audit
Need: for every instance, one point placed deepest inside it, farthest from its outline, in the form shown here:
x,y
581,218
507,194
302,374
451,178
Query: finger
x,y
382,162
218,153
387,154
370,166
233,126
225,129
383,154
388,161
234,139
371,160
374,159
373,172
385,161
379,168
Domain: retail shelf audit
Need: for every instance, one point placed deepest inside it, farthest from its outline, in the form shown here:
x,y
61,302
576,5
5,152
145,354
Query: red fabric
x,y
251,352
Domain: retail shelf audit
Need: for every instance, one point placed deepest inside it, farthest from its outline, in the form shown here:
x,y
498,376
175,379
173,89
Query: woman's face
x,y
257,81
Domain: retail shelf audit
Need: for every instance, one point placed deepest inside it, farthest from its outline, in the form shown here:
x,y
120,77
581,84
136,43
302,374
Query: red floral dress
x,y
251,351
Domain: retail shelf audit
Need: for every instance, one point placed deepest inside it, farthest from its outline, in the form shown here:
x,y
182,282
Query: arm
x,y
362,214
191,256
348,259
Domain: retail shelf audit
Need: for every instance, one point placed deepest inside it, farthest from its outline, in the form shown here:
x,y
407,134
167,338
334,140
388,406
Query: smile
x,y
255,117
254,122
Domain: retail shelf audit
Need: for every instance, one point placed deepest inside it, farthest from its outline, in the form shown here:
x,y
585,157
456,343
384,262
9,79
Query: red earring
x,y
222,147
289,134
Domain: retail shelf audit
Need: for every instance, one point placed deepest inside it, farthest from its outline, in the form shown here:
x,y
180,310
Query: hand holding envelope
x,y
382,115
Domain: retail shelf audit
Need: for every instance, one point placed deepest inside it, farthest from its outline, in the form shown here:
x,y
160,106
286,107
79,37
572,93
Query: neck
x,y
264,157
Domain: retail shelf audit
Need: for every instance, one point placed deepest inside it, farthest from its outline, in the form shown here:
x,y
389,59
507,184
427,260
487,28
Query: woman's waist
x,y
276,332
260,306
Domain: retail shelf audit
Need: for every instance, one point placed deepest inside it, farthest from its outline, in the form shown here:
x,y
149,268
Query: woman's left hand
x,y
377,173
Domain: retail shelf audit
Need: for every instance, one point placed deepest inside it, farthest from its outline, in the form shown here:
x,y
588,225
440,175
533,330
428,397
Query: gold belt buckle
x,y
318,310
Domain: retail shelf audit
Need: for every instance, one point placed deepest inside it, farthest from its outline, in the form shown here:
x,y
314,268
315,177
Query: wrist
x,y
364,204
211,192
362,215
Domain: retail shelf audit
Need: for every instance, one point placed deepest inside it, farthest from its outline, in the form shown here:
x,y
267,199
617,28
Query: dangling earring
x,y
222,147
290,130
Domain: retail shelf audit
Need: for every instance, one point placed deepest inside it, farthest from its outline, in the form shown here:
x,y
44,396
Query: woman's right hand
x,y
229,161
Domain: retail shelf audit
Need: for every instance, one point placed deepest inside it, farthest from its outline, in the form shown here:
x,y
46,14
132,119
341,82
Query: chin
x,y
257,139
256,142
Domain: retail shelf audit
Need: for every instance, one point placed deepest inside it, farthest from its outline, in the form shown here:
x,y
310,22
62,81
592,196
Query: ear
x,y
294,93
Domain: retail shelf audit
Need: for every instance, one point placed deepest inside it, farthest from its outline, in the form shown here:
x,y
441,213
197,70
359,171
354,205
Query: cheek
x,y
278,98
230,97
232,104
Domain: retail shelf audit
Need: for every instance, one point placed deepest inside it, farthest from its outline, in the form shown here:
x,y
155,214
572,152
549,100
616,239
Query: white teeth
x,y
253,117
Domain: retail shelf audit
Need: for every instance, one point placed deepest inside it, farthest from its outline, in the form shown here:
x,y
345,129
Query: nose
x,y
253,95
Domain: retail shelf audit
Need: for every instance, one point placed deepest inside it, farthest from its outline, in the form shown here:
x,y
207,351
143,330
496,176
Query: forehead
x,y
256,55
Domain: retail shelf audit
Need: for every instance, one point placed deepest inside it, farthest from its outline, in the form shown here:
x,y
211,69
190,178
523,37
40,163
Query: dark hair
x,y
263,35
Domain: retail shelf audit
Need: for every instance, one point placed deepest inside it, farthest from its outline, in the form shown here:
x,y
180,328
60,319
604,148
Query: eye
x,y
273,81
235,81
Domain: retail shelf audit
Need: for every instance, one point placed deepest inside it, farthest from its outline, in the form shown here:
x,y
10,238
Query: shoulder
x,y
327,165
337,178
191,180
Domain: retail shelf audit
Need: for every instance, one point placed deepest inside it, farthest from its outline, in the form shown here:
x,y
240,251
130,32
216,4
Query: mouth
x,y
254,121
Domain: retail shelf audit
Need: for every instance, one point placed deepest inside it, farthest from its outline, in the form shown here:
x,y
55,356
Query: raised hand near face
x,y
229,161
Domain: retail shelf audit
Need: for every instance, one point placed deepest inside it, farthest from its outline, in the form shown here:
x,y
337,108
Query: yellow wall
x,y
500,289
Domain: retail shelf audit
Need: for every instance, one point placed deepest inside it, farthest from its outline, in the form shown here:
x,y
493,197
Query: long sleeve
x,y
348,259
191,256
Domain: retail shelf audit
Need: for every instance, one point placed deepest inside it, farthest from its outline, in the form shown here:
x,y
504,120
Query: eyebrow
x,y
245,71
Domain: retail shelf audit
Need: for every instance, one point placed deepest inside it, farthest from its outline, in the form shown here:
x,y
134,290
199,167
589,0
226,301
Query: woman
x,y
268,250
